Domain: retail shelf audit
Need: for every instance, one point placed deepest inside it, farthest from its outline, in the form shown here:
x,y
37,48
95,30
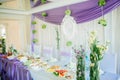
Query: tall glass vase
x,y
80,73
94,71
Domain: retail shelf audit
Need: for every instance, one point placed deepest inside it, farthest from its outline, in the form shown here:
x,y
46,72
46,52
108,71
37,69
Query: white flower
x,y
99,49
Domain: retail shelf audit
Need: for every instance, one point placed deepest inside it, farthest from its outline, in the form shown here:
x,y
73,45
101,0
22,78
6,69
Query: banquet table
x,y
15,70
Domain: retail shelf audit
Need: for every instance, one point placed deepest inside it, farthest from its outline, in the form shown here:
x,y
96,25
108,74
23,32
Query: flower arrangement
x,y
97,53
63,73
3,45
12,50
60,73
80,55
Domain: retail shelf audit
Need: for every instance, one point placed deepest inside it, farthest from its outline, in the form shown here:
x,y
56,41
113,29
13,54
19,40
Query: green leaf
x,y
34,31
69,43
43,1
34,22
101,3
35,40
44,14
56,73
103,22
44,26
68,12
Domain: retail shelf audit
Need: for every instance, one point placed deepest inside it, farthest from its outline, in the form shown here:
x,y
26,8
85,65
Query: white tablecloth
x,y
43,75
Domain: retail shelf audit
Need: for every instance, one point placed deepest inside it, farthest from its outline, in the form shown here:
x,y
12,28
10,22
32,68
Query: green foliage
x,y
58,39
68,43
101,3
13,50
3,46
34,31
68,12
44,26
43,1
56,73
97,53
35,40
34,22
103,22
44,14
94,72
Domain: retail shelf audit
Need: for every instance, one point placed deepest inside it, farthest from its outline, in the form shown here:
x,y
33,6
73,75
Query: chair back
x,y
108,63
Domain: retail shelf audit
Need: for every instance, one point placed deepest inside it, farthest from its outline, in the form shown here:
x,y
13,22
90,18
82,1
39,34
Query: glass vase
x,y
80,73
94,71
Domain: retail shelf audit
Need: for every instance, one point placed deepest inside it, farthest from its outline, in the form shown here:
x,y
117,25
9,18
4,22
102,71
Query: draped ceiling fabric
x,y
82,12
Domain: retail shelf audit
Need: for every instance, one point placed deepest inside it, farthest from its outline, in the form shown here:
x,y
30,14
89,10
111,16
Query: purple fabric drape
x,y
13,70
82,12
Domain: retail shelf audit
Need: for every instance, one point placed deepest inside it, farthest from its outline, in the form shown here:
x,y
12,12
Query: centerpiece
x,y
80,55
96,55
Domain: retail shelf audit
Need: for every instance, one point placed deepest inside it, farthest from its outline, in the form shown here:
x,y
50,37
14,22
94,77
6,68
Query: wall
x,y
17,27
16,4
116,37
12,36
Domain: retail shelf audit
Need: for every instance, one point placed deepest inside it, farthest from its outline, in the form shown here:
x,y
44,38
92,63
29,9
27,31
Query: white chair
x,y
47,52
66,56
37,51
108,63
28,49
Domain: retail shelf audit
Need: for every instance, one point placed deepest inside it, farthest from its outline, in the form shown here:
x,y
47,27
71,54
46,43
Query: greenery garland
x,y
34,32
58,39
44,14
102,21
35,40
34,22
44,26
